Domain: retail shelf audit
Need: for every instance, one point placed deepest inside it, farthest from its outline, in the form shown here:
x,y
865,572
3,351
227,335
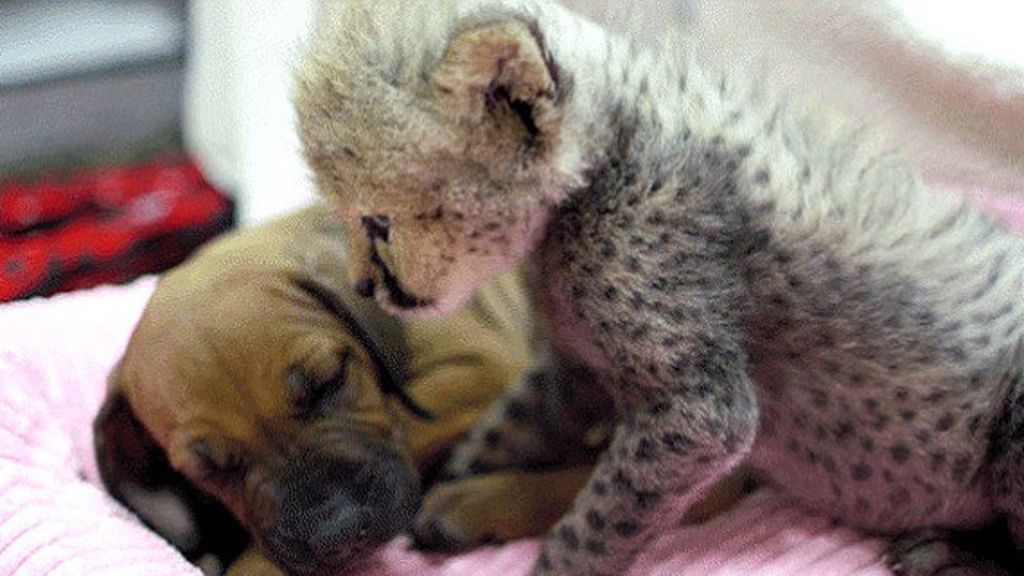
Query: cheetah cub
x,y
751,284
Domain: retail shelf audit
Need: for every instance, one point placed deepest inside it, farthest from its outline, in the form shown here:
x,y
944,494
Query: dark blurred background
x,y
84,78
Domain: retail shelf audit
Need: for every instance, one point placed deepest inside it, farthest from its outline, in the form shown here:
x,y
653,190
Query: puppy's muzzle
x,y
331,510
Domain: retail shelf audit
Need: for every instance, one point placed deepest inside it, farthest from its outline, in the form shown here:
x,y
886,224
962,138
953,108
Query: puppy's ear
x,y
500,72
136,471
125,451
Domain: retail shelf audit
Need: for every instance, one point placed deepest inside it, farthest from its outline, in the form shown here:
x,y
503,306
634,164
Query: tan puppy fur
x,y
240,379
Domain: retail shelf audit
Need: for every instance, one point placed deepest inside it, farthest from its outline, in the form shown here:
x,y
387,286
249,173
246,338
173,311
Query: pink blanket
x,y
55,519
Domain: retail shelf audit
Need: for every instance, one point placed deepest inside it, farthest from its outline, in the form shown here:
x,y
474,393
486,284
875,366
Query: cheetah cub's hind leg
x,y
1007,456
940,553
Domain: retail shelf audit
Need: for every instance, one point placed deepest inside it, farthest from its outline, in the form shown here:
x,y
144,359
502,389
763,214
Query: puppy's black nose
x,y
331,510
377,227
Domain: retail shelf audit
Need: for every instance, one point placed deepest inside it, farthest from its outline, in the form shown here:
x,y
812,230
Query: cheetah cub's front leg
x,y
544,437
662,460
522,464
556,417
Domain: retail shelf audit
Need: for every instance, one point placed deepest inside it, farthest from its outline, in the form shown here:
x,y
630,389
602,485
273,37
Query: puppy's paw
x,y
494,508
933,553
253,563
456,516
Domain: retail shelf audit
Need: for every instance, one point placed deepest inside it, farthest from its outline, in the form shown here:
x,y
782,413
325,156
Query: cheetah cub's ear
x,y
500,74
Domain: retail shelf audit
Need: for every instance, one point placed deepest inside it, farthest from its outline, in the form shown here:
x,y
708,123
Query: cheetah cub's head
x,y
436,137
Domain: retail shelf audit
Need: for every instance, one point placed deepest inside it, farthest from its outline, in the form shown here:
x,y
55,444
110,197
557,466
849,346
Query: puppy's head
x,y
265,395
437,137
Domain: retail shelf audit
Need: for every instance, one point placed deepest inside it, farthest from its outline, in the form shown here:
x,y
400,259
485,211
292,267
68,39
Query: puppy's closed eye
x,y
315,397
388,377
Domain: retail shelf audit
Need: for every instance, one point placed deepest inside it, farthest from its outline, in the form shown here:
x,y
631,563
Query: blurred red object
x,y
103,226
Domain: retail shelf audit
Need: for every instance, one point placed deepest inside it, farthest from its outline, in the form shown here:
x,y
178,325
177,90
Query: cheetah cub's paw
x,y
932,553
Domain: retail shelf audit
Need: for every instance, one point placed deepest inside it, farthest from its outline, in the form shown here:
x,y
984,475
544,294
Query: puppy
x,y
275,402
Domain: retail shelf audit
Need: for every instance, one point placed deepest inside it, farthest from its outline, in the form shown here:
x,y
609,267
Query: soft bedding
x,y
55,519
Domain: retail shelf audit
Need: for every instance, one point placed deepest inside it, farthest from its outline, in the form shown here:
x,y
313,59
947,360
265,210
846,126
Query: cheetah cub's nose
x,y
377,227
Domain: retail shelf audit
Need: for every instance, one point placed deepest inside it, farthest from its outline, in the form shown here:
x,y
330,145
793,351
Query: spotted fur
x,y
752,283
